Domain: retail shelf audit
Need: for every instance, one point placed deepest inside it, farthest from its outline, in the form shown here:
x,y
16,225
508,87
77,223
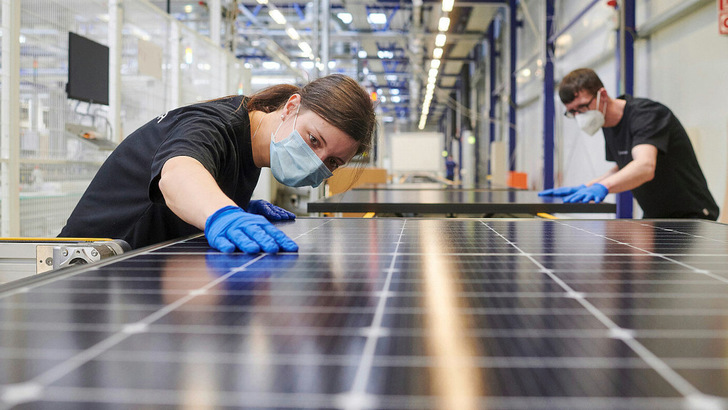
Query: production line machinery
x,y
21,257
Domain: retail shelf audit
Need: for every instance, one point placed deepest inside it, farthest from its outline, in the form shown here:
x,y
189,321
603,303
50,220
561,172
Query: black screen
x,y
88,70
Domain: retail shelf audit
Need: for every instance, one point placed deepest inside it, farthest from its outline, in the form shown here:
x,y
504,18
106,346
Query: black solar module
x,y
433,186
451,201
386,314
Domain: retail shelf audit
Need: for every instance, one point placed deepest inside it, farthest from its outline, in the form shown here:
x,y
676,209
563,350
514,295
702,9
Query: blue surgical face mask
x,y
294,163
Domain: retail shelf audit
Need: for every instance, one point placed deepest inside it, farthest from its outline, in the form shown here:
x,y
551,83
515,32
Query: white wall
x,y
686,68
416,152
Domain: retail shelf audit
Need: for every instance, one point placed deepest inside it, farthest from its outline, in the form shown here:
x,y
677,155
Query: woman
x,y
194,168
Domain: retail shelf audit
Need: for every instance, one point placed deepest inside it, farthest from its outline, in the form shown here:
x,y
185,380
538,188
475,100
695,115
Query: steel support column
x,y
491,89
116,45
625,76
215,16
9,119
512,81
548,103
325,18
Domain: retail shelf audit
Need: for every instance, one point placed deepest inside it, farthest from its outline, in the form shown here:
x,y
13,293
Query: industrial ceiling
x,y
387,46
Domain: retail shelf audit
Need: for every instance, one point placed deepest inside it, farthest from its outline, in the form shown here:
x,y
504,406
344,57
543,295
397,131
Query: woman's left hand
x,y
269,211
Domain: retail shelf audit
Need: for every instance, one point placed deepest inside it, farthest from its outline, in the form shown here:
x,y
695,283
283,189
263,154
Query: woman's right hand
x,y
230,227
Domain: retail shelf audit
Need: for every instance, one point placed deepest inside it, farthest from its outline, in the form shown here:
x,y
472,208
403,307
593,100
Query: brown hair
x,y
336,98
581,79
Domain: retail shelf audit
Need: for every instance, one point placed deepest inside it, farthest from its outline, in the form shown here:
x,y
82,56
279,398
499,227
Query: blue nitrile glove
x,y
230,227
595,192
269,211
563,191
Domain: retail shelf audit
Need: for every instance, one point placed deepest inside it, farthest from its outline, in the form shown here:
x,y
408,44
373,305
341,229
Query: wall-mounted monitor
x,y
88,70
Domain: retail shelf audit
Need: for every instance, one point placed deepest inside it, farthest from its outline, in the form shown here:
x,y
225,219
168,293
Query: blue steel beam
x,y
391,16
548,105
299,11
493,96
624,199
512,74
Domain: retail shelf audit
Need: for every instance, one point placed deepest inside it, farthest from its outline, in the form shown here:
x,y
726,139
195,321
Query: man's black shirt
x,y
679,189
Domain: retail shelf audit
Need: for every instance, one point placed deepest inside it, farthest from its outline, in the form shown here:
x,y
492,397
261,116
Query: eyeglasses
x,y
579,109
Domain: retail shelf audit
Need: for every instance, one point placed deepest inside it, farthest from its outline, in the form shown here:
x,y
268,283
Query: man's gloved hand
x,y
230,227
595,192
563,191
269,211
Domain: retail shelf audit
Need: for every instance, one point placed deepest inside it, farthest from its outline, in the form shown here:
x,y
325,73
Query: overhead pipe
x,y
270,44
573,21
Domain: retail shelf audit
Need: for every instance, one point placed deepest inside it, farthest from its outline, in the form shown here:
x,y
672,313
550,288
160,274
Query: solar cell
x,y
385,313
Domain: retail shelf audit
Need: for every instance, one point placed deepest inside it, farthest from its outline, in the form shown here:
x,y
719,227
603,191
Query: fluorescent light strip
x,y
277,16
443,24
440,39
292,33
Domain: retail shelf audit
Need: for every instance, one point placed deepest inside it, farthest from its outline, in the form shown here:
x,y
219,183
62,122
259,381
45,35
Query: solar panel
x,y
451,201
387,313
434,186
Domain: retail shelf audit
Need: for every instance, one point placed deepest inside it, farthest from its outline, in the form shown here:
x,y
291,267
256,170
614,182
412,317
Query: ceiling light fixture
x,y
305,47
447,5
277,16
377,18
384,54
440,39
271,65
292,33
443,24
345,18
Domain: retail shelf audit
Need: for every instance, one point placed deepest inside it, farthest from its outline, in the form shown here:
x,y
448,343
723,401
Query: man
x,y
654,156
450,165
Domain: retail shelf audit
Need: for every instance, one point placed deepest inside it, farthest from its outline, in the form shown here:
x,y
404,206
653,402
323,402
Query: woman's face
x,y
334,147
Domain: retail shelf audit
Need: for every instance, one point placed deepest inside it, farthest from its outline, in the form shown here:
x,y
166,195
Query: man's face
x,y
583,102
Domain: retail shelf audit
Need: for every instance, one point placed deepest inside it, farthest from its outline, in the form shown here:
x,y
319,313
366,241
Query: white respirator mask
x,y
592,120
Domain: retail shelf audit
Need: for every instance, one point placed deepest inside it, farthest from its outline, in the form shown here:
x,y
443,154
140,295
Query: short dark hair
x,y
581,79
336,98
